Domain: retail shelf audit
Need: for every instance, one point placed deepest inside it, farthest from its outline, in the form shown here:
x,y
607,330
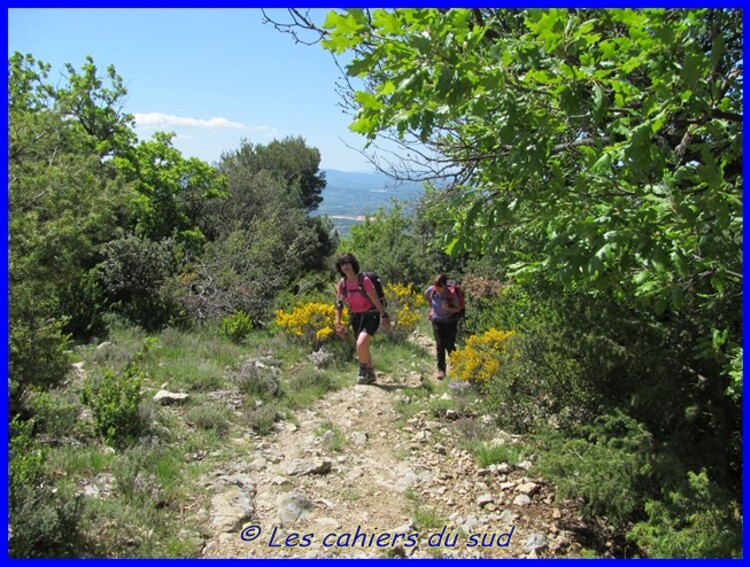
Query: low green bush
x,y
605,463
134,276
699,519
82,304
262,417
114,400
43,522
38,356
237,326
494,454
256,379
56,413
546,373
210,417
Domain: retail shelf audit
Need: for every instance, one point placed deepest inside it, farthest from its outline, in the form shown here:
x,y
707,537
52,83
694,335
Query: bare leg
x,y
363,349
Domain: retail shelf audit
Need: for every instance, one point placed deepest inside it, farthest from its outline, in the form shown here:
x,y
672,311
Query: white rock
x,y
485,499
535,542
164,397
522,500
230,509
528,488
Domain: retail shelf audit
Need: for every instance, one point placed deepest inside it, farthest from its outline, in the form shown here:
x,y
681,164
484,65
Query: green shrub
x,y
55,413
546,374
698,520
262,417
256,379
534,386
734,390
38,357
237,326
82,304
605,465
43,522
115,400
210,417
27,458
388,243
133,274
494,454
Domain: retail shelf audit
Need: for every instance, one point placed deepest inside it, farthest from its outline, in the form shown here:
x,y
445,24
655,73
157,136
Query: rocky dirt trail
x,y
350,479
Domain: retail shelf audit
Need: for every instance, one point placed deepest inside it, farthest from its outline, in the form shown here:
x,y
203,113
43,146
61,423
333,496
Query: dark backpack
x,y
375,279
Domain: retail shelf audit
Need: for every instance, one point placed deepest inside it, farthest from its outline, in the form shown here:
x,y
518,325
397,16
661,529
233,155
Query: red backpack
x,y
454,290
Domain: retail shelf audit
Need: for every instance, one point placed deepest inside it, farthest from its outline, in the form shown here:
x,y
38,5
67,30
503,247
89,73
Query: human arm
x,y
373,296
338,312
450,308
452,305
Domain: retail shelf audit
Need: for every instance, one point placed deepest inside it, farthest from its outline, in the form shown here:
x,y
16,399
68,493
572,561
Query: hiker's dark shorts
x,y
369,322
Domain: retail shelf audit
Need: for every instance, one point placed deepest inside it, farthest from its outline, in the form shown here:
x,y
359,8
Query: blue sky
x,y
212,76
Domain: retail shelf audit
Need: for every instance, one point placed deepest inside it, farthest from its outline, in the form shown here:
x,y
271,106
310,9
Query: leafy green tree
x,y
609,139
261,239
250,194
172,192
133,273
598,154
289,161
599,149
97,106
246,269
63,199
387,243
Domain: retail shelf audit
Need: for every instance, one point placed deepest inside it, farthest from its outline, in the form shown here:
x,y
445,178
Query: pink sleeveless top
x,y
358,303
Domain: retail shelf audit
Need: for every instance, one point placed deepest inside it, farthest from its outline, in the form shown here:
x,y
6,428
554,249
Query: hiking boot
x,y
440,374
366,375
366,379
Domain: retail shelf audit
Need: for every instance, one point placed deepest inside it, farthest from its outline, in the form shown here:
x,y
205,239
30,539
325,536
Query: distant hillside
x,y
348,196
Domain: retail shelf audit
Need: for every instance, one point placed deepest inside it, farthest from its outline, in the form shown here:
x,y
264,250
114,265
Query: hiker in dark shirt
x,y
365,309
444,319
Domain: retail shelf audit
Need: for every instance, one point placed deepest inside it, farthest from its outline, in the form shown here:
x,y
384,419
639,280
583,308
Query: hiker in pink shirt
x,y
365,309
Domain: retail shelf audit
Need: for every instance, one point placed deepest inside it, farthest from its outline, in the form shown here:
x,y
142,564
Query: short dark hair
x,y
347,259
441,280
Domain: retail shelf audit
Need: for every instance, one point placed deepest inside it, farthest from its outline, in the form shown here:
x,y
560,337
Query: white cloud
x,y
158,120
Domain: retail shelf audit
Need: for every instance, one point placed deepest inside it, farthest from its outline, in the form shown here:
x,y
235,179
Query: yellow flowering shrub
x,y
404,306
482,356
310,323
